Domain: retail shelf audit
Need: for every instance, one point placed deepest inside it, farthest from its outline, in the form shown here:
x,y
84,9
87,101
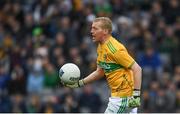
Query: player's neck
x,y
105,38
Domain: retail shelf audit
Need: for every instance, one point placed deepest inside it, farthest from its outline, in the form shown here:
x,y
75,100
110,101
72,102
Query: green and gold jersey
x,y
116,62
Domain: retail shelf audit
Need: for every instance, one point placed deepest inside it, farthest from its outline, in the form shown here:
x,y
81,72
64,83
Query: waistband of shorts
x,y
120,94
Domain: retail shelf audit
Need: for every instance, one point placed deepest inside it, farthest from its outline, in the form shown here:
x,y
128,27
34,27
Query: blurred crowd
x,y
38,36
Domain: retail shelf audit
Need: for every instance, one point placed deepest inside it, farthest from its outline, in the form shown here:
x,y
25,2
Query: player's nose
x,y
91,31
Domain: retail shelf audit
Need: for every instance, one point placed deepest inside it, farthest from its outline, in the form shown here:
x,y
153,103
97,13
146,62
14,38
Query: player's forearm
x,y
137,73
96,75
137,80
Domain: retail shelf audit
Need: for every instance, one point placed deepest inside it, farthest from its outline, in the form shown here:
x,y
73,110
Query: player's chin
x,y
94,40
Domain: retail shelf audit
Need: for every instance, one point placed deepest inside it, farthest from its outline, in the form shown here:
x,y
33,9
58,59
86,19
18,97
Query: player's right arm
x,y
96,75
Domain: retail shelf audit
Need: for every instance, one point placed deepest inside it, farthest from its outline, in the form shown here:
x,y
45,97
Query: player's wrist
x,y
136,92
81,83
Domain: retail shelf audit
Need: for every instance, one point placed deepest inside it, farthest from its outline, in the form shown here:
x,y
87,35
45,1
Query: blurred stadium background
x,y
38,36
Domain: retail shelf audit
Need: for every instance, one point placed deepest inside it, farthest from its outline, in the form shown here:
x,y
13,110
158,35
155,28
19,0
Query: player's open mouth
x,y
93,35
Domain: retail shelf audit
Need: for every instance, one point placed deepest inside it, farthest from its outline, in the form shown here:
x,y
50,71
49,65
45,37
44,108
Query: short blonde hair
x,y
106,23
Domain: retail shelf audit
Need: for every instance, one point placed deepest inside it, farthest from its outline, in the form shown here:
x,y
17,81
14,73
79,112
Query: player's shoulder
x,y
113,45
117,44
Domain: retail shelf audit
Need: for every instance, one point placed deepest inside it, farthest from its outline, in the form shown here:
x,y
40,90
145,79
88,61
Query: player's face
x,y
97,32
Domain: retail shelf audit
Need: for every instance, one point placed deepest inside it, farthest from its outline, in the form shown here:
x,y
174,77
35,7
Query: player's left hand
x,y
134,101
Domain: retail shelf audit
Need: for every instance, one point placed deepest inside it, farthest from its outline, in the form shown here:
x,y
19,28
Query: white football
x,y
69,73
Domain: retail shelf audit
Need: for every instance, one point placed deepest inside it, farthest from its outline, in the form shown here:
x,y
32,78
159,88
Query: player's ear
x,y
106,31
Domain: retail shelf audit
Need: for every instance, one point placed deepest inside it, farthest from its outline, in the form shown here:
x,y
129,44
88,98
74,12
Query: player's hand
x,y
134,101
80,83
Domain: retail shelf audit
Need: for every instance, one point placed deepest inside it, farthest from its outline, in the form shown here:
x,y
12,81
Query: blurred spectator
x,y
177,101
4,60
74,55
172,11
161,101
165,80
17,84
175,56
94,101
176,78
171,98
153,93
70,104
35,78
34,104
145,102
169,41
43,11
150,61
4,78
58,50
103,8
19,103
136,39
64,25
51,105
51,78
5,102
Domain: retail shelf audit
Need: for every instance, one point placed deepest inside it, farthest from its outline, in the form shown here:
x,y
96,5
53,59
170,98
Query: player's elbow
x,y
100,72
136,68
139,68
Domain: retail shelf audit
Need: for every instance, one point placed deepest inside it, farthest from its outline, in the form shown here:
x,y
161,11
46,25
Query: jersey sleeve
x,y
123,58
